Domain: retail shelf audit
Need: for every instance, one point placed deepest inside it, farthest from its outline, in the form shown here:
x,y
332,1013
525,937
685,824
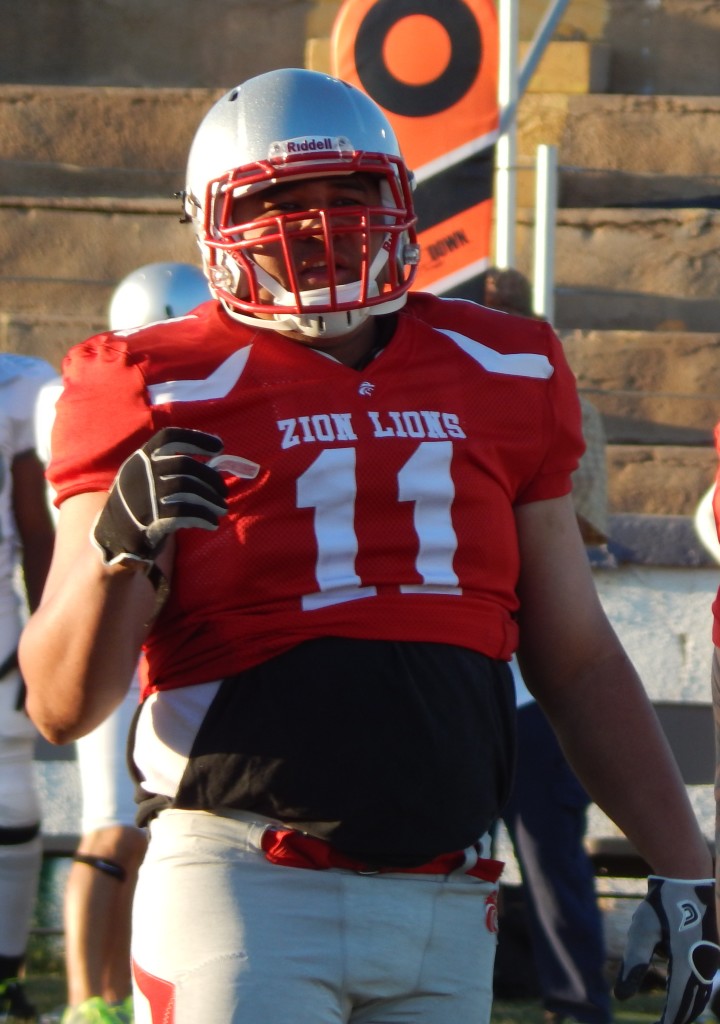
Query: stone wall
x,y
213,43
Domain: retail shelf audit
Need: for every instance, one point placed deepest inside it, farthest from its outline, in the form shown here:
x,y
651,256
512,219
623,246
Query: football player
x,y
101,881
328,509
26,541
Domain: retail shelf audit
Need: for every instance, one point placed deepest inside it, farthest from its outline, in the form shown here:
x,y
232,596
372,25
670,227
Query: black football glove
x,y
676,920
160,488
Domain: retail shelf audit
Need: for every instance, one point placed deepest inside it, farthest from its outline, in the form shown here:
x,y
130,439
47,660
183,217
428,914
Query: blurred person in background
x,y
101,882
546,813
26,544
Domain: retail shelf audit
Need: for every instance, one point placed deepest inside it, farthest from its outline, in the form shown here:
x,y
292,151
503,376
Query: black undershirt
x,y
393,752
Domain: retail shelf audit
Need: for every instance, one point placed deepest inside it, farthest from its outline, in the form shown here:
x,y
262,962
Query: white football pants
x,y
222,935
20,862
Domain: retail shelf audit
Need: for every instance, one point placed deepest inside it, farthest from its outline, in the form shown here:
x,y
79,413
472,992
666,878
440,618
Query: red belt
x,y
297,850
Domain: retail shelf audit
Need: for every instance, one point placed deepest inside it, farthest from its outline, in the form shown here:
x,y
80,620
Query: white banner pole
x,y
506,148
546,174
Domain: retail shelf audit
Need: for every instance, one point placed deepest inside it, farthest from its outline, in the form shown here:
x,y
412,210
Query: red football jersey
x,y
383,506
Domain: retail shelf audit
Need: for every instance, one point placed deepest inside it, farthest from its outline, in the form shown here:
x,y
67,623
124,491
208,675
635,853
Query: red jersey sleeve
x,y
101,417
563,429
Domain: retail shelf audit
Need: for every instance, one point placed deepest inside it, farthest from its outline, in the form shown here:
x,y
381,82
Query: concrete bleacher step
x,y
664,46
136,43
95,141
126,44
658,479
652,388
632,269
47,336
650,41
121,141
623,150
65,257
657,393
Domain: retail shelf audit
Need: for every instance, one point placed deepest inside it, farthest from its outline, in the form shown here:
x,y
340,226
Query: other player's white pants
x,y
20,862
108,796
220,934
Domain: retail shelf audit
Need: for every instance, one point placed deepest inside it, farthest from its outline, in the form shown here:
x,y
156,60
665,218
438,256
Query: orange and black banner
x,y
432,65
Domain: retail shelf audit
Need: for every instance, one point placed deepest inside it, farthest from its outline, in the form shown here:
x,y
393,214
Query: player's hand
x,y
159,489
676,920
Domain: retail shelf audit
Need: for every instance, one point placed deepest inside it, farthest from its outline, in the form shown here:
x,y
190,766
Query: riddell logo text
x,y
309,145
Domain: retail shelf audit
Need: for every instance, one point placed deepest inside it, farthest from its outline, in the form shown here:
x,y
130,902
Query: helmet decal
x,y
309,144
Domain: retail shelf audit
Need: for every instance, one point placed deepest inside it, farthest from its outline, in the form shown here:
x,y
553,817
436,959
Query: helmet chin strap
x,y
316,325
325,325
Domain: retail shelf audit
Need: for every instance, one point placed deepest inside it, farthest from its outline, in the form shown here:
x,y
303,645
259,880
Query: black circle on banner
x,y
449,87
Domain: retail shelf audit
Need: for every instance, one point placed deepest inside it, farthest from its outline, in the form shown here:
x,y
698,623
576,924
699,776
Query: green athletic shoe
x,y
96,1011
124,1011
14,1005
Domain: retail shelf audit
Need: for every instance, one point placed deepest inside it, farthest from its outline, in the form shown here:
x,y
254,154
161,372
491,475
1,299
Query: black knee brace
x,y
18,835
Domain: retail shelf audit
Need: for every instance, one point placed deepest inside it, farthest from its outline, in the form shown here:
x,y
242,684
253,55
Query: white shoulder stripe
x,y
516,364
219,384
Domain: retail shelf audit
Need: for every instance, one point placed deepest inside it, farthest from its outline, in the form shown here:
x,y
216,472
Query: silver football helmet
x,y
155,292
294,124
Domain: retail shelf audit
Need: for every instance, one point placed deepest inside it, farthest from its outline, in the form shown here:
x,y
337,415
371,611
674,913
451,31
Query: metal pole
x,y
545,212
506,148
543,35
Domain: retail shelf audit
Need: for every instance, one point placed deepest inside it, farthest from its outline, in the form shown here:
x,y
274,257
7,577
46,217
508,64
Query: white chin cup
x,y
323,325
319,325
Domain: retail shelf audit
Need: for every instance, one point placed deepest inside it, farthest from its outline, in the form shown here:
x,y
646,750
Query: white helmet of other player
x,y
157,291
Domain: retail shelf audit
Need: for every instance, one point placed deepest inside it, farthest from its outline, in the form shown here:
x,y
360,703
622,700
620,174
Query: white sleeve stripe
x,y
219,384
515,364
